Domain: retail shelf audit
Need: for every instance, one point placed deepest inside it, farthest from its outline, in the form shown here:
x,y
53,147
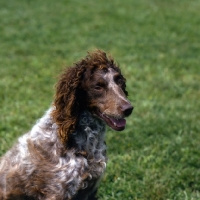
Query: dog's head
x,y
95,84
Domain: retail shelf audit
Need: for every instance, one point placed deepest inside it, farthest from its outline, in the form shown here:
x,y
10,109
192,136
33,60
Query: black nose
x,y
127,109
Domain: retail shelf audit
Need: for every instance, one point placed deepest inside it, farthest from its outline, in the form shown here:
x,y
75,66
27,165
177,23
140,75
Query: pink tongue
x,y
119,122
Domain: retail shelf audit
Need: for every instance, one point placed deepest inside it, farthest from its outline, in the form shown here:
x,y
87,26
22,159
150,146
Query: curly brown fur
x,y
66,104
63,157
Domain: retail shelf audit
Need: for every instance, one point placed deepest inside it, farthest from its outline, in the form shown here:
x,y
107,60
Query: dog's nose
x,y
127,109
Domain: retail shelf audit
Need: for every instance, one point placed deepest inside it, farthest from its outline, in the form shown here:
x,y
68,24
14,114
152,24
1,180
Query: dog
x,y
63,156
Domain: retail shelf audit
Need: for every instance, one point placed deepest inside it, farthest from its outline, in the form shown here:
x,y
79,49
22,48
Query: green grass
x,y
157,44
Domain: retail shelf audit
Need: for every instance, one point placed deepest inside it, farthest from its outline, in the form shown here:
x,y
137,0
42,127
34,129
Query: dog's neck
x,y
89,136
88,120
88,139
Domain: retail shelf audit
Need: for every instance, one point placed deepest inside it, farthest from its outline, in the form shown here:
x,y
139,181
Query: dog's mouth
x,y
115,123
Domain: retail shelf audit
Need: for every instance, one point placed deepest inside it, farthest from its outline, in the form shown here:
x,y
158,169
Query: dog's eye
x,y
99,86
119,81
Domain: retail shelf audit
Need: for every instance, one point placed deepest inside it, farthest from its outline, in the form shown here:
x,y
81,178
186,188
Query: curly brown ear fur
x,y
66,105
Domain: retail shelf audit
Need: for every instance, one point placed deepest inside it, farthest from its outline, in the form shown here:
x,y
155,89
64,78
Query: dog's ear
x,y
66,106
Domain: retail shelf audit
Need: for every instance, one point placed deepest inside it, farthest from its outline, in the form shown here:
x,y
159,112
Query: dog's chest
x,y
91,145
84,164
78,172
82,171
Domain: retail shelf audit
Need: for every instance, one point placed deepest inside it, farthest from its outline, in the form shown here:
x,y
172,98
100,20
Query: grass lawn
x,y
156,42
